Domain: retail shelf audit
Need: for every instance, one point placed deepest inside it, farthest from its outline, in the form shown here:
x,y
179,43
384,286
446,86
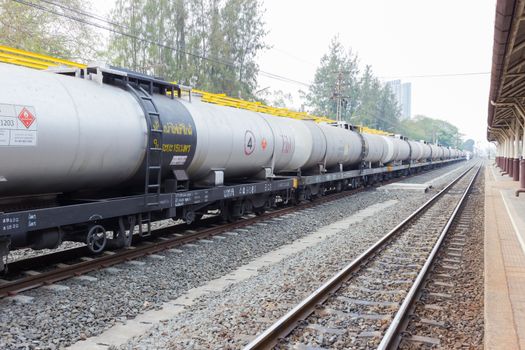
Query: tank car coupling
x,y
47,239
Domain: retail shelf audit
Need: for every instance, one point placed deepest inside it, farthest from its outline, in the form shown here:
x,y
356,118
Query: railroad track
x,y
366,303
444,311
28,274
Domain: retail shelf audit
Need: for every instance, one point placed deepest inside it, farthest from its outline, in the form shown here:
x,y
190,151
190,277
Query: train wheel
x,y
96,239
259,211
231,217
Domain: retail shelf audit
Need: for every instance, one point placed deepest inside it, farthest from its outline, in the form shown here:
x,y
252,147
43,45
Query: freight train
x,y
91,154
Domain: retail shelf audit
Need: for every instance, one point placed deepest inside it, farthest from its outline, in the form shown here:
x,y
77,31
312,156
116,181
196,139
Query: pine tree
x,y
365,101
336,77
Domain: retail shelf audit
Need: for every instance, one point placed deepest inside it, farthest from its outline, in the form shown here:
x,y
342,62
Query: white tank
x,y
446,152
426,151
376,147
293,143
391,151
342,146
76,134
416,149
441,151
241,142
318,149
403,149
233,140
436,152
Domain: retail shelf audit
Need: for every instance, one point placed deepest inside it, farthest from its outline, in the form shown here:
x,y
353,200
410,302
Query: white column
x,y
517,140
523,143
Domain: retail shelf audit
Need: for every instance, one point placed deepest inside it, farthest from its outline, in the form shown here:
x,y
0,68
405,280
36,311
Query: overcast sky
x,y
400,39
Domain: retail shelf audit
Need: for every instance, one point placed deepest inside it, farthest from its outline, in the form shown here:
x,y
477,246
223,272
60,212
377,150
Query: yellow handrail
x,y
367,130
39,61
34,60
223,100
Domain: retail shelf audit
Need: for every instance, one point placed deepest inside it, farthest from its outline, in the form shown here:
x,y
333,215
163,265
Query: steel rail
x,y
392,335
65,271
17,267
289,321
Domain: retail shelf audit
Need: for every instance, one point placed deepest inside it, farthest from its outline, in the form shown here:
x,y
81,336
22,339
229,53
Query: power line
x,y
147,40
107,21
435,75
294,57
86,13
140,38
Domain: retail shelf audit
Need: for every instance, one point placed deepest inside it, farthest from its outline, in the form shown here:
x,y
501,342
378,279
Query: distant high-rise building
x,y
406,101
403,94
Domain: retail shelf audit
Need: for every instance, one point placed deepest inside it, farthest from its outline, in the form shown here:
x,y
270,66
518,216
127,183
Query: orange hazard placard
x,y
26,117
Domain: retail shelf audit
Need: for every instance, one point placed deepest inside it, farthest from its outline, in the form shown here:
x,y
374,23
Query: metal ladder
x,y
153,160
153,151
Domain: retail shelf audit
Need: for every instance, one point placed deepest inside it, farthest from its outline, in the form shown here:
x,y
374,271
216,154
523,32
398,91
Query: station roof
x,y
507,88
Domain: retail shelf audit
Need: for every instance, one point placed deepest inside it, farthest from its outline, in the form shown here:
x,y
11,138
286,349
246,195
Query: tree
x,y
365,101
336,77
243,30
39,31
469,145
369,95
388,114
210,44
431,130
279,98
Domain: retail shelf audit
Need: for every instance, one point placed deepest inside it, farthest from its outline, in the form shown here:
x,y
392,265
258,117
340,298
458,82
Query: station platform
x,y
504,262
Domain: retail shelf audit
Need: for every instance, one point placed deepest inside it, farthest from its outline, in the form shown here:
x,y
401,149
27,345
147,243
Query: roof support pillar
x,y
523,143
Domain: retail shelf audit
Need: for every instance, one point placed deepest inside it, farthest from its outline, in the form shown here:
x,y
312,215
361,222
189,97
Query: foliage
x,y
364,99
431,130
336,76
32,29
275,98
469,145
210,44
377,107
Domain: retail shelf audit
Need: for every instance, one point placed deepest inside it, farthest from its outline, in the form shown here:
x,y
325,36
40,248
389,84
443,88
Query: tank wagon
x,y
88,154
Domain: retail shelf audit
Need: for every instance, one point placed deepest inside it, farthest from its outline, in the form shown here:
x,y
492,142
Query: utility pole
x,y
338,95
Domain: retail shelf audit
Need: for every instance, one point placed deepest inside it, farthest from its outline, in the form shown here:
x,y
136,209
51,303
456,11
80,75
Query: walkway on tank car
x,y
504,262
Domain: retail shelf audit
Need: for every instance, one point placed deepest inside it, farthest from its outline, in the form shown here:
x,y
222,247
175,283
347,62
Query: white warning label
x,y
22,138
178,160
4,137
18,125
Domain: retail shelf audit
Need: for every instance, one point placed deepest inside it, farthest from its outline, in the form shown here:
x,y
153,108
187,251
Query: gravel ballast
x,y
57,319
230,319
